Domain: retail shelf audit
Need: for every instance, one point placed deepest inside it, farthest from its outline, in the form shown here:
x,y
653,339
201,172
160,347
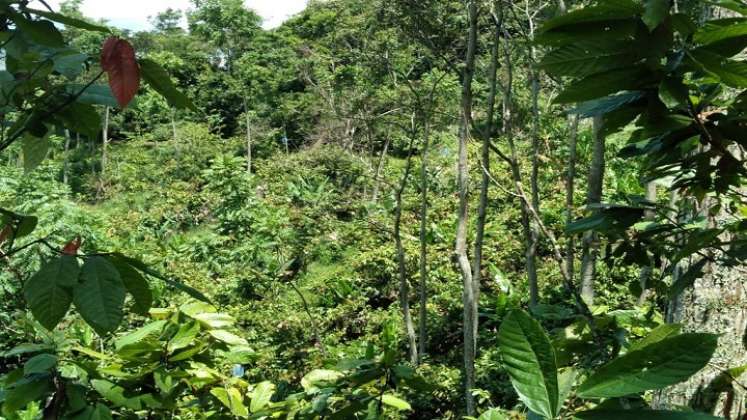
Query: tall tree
x,y
595,184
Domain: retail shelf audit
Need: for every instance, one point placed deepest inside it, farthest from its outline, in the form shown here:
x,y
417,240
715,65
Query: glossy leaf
x,y
656,366
183,337
655,11
395,402
40,31
529,359
603,84
40,363
100,296
492,414
720,30
584,58
135,284
69,21
657,334
152,329
228,338
231,398
48,291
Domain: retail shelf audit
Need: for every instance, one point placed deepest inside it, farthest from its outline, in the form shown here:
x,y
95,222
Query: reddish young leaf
x,y
71,248
119,62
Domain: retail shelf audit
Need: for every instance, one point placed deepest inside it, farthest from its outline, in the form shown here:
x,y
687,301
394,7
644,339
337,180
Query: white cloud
x,y
133,14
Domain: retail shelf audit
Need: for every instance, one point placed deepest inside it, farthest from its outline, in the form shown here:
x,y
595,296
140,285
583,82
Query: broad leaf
x,y
68,21
492,414
39,363
228,337
34,151
93,95
19,394
153,329
584,58
100,296
135,283
720,30
119,62
606,10
529,358
395,402
731,72
160,81
607,104
40,31
231,398
603,84
656,366
48,291
183,337
261,396
655,13
657,334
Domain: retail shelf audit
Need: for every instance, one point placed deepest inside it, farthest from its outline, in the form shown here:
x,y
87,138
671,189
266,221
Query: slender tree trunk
x,y
404,285
379,169
594,196
647,271
462,218
534,178
485,182
105,140
248,123
529,260
66,159
423,261
570,191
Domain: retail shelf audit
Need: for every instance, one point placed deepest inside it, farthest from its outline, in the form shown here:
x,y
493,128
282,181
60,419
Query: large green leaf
x,y
232,399
93,95
184,336
657,334
40,363
584,58
719,30
135,283
100,296
529,358
731,72
48,291
68,21
99,412
261,396
492,414
607,104
655,366
160,81
655,12
153,329
395,402
40,31
641,415
35,149
19,394
602,11
603,84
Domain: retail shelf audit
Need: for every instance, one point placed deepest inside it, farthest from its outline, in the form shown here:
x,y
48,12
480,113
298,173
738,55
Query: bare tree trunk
x,y
594,196
248,123
646,271
379,169
529,260
570,191
404,285
105,140
423,261
66,161
534,178
462,218
485,182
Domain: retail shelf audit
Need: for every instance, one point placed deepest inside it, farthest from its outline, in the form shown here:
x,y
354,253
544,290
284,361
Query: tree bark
x,y
570,191
594,196
379,169
534,178
248,138
404,285
462,217
485,182
423,261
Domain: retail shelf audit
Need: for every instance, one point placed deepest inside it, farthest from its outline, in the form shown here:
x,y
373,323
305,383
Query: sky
x,y
133,14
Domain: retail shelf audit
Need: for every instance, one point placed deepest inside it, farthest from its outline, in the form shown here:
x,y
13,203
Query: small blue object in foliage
x,y
284,140
237,371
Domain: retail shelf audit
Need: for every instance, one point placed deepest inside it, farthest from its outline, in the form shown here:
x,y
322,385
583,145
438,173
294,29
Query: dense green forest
x,y
381,209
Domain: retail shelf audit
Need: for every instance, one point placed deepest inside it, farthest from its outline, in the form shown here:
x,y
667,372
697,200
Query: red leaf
x,y
71,248
119,62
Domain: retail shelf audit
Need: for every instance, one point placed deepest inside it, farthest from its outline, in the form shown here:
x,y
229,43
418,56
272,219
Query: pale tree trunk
x,y
570,191
485,182
379,169
462,217
648,270
248,123
594,196
404,285
104,147
529,260
534,178
66,158
423,261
